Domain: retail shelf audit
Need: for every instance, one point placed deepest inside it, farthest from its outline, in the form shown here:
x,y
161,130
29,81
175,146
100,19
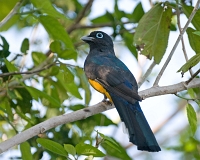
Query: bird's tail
x,y
139,130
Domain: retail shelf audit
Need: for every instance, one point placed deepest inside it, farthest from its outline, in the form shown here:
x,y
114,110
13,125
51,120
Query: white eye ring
x,y
99,35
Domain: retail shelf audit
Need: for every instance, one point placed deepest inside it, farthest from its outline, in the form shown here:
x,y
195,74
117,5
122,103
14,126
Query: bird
x,y
110,76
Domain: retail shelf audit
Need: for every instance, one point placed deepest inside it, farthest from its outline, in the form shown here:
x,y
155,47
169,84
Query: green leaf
x,y
52,146
65,74
62,92
152,32
193,39
196,19
38,58
70,149
51,90
25,46
87,150
66,78
11,22
192,117
4,103
110,142
106,18
118,14
60,49
58,33
31,121
4,52
24,99
190,63
39,94
137,14
26,151
45,6
10,66
119,153
73,89
6,7
11,94
197,33
84,84
113,148
128,39
191,93
53,71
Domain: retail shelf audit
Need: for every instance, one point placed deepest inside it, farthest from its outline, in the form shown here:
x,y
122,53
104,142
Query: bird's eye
x,y
99,35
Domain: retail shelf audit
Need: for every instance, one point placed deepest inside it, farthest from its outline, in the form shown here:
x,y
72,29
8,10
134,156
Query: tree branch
x,y
80,16
87,112
176,44
193,76
12,13
171,89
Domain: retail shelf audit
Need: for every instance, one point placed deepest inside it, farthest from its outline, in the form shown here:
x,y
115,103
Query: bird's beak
x,y
86,38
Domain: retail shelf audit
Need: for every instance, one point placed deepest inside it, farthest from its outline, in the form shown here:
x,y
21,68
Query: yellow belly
x,y
99,88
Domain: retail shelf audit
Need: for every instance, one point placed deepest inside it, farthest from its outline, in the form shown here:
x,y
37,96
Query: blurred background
x,y
23,107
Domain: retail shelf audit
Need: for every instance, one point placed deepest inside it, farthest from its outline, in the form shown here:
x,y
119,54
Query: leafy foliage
x,y
52,82
151,37
188,10
52,146
4,52
26,151
192,117
25,46
190,63
87,150
193,39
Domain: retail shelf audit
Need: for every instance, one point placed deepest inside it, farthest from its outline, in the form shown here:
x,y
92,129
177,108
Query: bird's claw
x,y
107,102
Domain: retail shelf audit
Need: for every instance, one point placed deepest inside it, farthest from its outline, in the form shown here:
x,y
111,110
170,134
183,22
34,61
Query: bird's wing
x,y
116,78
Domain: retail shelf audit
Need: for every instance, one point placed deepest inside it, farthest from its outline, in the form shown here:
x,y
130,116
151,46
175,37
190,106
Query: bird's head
x,y
98,39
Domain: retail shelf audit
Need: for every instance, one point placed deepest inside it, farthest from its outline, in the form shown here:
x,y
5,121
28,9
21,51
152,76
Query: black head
x,y
98,39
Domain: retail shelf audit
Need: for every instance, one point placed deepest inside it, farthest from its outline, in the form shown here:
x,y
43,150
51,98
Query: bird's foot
x,y
107,102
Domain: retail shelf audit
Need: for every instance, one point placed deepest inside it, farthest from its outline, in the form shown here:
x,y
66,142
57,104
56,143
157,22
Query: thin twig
x,y
148,72
9,122
182,40
27,72
151,3
67,64
42,65
193,76
80,16
12,13
110,24
176,44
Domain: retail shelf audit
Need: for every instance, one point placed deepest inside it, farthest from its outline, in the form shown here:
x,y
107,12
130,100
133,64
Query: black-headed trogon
x,y
110,76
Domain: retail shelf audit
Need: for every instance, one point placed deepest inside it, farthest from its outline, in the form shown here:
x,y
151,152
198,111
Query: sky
x,y
156,109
